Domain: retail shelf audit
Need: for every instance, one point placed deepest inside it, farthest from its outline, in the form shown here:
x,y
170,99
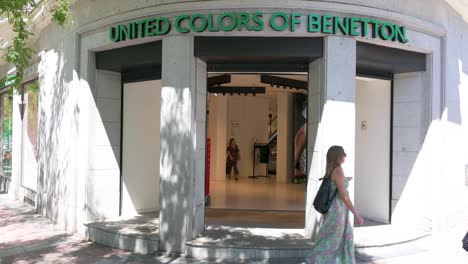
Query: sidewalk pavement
x,y
26,237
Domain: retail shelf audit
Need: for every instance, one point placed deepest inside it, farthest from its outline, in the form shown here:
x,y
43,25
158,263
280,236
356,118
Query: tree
x,y
18,14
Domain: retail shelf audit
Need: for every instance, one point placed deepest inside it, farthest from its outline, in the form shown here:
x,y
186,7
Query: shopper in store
x,y
233,157
335,242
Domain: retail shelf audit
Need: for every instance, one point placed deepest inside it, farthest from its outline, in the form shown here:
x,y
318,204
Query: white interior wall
x,y
248,109
372,167
285,147
141,147
247,122
217,129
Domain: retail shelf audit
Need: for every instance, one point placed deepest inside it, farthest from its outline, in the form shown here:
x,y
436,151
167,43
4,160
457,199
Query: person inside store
x,y
232,158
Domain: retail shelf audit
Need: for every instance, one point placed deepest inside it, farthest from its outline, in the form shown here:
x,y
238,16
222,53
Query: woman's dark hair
x,y
230,141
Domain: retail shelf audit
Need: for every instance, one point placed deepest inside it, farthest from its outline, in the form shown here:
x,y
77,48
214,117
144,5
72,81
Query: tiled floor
x,y
260,194
255,218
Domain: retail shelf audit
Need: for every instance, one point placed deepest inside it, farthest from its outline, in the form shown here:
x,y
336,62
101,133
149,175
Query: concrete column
x,y
104,150
411,160
183,114
198,162
332,89
284,170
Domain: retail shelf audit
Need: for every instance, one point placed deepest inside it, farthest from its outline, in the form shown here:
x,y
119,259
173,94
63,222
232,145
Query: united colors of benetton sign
x,y
244,21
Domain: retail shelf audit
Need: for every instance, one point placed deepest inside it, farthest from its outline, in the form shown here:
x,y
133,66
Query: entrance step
x,y
379,235
236,243
139,234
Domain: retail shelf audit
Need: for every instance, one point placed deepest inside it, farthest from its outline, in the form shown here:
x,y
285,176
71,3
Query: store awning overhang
x,y
258,54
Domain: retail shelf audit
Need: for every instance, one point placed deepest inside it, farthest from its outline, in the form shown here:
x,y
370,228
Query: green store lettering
x,y
244,21
352,26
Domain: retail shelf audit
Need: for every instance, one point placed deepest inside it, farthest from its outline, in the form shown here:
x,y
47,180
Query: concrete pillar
x,y
332,89
285,150
183,114
104,133
411,160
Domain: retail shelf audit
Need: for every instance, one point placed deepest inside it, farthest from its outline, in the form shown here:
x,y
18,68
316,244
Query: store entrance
x,y
256,154
257,97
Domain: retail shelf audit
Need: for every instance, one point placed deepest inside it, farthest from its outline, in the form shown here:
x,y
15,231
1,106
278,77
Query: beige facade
x,y
79,164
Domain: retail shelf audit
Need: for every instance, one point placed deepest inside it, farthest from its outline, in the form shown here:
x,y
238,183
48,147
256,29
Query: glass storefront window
x,y
33,126
6,132
29,143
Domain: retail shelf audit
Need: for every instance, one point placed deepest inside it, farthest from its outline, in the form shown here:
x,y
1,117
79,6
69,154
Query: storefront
x,y
124,96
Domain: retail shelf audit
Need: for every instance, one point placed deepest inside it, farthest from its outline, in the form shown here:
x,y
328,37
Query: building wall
x,y
70,105
435,11
104,148
410,132
60,188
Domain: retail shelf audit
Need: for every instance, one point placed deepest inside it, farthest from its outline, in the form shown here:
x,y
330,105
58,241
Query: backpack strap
x,y
329,175
336,191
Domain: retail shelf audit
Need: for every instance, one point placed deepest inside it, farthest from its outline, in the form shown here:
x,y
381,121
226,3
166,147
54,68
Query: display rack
x,y
264,149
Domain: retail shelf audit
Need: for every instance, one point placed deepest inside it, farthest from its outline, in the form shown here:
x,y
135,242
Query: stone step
x,y
139,234
224,242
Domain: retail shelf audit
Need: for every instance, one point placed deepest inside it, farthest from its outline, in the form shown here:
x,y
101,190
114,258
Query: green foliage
x,y
18,14
61,13
33,87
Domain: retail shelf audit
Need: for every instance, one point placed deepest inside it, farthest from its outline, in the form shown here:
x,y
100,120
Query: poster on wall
x,y
300,138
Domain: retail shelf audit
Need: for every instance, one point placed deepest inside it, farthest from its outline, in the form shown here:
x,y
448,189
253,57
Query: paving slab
x,y
142,226
29,238
255,238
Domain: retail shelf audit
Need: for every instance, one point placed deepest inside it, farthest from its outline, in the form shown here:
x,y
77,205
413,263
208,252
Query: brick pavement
x,y
26,237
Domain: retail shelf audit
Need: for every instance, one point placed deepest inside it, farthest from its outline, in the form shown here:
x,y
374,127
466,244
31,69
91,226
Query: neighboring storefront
x,y
386,81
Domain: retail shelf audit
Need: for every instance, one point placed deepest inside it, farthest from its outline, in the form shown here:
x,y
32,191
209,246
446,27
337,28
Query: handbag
x,y
465,242
322,201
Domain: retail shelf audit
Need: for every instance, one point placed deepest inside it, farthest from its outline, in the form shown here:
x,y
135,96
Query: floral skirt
x,y
335,244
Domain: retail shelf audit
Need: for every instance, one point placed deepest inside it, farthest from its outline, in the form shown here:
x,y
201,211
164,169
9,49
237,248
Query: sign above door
x,y
245,21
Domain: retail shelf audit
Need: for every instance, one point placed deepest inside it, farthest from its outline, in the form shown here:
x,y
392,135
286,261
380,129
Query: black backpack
x,y
465,242
322,201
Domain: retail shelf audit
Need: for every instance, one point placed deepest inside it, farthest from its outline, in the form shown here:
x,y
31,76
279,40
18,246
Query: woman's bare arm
x,y
339,179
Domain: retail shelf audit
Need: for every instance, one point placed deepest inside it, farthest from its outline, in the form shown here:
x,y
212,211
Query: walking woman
x,y
232,157
335,242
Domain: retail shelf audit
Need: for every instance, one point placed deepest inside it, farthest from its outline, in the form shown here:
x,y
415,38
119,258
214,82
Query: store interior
x,y
265,114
